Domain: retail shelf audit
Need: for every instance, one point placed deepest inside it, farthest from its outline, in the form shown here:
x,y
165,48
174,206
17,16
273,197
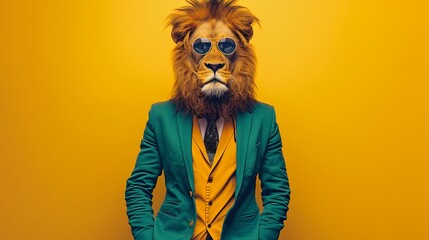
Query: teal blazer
x,y
166,146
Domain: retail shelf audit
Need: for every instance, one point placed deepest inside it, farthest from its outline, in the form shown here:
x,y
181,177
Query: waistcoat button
x,y
191,223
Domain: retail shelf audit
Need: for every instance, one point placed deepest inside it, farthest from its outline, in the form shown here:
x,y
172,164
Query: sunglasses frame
x,y
211,46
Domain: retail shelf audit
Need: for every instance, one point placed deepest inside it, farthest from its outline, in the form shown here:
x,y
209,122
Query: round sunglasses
x,y
202,46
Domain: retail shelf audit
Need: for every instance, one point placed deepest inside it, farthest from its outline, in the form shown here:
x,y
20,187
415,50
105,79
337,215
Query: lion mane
x,y
187,94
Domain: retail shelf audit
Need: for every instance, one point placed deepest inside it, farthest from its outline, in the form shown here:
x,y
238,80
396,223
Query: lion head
x,y
214,63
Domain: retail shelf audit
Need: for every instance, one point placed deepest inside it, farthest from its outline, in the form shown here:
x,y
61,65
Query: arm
x,y
275,187
140,185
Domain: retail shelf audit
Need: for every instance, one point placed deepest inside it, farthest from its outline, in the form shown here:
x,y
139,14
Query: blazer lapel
x,y
184,126
244,124
196,135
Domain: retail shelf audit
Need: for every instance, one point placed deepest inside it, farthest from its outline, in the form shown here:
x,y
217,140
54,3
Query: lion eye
x,y
202,45
227,45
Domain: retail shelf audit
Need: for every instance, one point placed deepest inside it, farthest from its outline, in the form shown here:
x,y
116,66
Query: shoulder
x,y
166,112
263,111
261,108
165,106
262,116
163,109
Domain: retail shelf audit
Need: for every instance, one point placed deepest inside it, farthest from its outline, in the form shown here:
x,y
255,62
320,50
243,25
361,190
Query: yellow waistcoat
x,y
214,185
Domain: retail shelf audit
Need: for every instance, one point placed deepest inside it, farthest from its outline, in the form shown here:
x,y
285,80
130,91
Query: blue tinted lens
x,y
202,45
227,45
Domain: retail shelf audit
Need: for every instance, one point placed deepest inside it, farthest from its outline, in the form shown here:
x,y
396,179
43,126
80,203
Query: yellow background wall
x,y
349,80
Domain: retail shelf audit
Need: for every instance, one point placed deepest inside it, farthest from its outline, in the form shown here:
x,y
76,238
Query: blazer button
x,y
191,223
191,194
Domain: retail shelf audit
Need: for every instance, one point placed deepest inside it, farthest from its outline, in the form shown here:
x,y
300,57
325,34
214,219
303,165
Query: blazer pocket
x,y
249,215
169,209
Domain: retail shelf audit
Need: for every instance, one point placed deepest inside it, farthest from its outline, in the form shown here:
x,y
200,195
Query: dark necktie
x,y
211,139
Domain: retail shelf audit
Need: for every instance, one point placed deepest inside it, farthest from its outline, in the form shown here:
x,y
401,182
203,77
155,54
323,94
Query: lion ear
x,y
177,35
182,24
242,21
247,33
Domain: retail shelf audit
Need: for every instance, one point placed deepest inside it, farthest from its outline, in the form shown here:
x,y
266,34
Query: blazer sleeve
x,y
275,186
140,185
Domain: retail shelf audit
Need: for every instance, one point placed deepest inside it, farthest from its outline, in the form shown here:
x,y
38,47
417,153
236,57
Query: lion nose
x,y
214,67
